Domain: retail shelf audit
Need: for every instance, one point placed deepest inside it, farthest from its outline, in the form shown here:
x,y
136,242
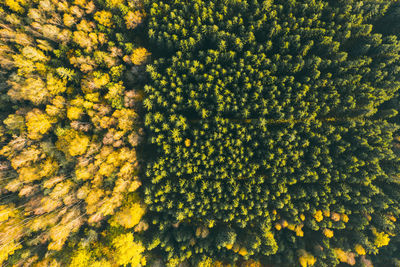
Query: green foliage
x,y
264,115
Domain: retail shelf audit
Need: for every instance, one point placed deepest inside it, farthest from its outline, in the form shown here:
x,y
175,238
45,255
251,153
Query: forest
x,y
248,133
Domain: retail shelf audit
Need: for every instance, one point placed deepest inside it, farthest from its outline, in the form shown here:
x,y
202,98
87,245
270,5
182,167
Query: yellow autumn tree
x,y
328,233
318,216
127,251
15,5
139,56
81,258
72,142
104,18
129,215
381,238
38,123
63,69
306,259
133,19
206,262
359,249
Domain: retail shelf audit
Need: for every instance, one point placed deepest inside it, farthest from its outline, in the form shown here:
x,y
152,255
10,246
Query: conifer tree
x,y
291,145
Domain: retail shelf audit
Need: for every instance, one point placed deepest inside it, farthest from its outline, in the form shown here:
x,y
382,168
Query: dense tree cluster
x,y
70,80
271,123
272,133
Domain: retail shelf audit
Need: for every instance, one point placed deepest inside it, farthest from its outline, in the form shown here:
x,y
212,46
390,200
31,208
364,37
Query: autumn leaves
x,y
69,130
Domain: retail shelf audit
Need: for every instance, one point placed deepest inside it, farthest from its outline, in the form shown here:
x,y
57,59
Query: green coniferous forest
x,y
248,133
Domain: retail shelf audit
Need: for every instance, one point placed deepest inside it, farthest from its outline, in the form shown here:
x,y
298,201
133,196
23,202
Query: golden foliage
x,y
126,119
299,231
139,56
94,196
81,258
306,259
343,256
15,5
243,251
207,262
15,122
33,54
8,249
28,174
133,19
318,216
55,85
328,233
335,216
127,251
344,218
359,249
129,216
6,212
114,3
187,142
11,233
72,142
381,239
74,113
83,173
54,188
38,123
104,18
327,213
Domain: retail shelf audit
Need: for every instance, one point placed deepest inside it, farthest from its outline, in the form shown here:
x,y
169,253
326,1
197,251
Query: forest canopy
x,y
271,123
199,133
71,74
